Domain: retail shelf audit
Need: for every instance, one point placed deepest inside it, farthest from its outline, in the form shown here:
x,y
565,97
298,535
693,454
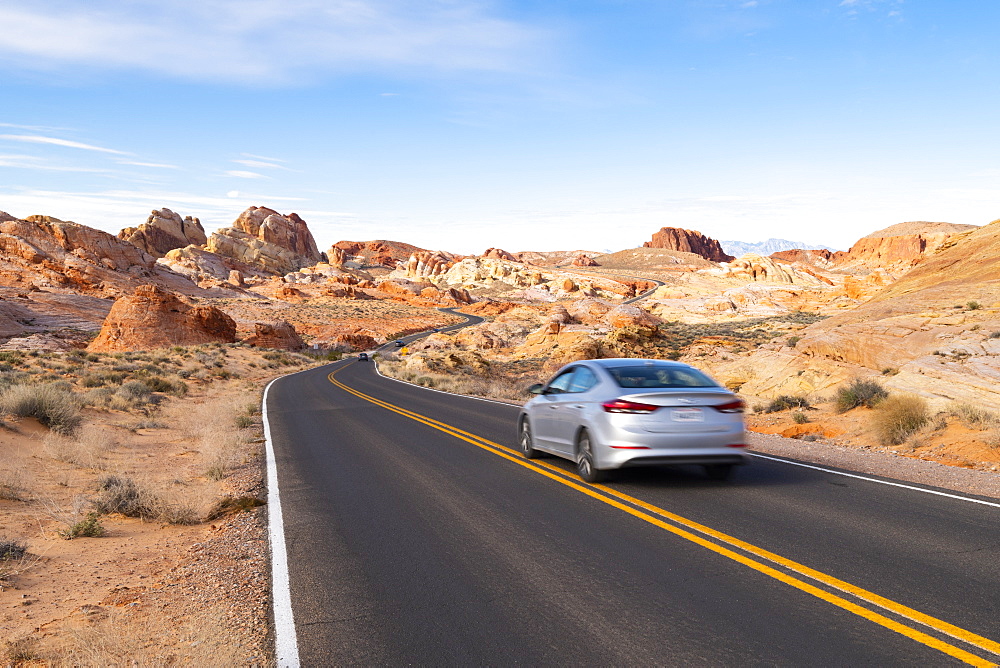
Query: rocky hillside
x,y
688,241
934,332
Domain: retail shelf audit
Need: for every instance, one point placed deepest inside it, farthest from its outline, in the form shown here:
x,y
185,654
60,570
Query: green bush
x,y
51,404
800,417
896,417
860,392
88,527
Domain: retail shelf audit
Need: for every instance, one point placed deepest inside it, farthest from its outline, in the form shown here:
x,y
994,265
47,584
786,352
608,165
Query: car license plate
x,y
688,415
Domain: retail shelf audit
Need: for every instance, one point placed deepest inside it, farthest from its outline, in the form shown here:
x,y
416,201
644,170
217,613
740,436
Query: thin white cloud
x,y
55,141
155,165
262,157
245,175
259,163
14,161
265,41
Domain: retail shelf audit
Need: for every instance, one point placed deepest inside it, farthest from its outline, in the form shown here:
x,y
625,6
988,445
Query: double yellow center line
x,y
658,516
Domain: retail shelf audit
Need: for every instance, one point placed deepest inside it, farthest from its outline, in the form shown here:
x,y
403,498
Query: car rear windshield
x,y
659,376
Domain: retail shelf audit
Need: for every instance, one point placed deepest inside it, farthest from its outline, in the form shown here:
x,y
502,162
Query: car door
x,y
568,416
546,407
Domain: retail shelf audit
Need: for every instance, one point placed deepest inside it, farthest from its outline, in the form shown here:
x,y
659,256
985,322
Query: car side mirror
x,y
537,388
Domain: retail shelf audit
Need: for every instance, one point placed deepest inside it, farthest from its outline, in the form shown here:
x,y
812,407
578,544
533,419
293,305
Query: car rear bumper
x,y
621,448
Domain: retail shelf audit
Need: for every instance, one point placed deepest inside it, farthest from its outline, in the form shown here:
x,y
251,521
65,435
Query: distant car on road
x,y
612,413
399,344
363,357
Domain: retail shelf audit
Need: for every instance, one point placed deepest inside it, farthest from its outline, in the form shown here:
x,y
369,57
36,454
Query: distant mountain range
x,y
738,248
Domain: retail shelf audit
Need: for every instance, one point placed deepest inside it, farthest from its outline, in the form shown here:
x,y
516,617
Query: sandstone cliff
x,y
688,241
264,238
164,231
898,247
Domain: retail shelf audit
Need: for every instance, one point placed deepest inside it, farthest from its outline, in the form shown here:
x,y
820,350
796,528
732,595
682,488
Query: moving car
x,y
611,413
363,357
399,344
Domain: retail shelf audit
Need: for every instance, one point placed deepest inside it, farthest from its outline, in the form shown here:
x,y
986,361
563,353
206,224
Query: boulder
x,y
279,334
154,318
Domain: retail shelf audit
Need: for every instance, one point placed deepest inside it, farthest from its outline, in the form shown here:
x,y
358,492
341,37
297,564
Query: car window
x,y
561,382
583,380
659,376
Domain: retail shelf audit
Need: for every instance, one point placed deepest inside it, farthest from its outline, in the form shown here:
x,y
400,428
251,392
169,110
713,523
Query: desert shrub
x,y
231,506
88,527
973,417
973,305
244,421
897,416
53,405
12,549
122,495
800,418
158,384
860,392
792,341
786,401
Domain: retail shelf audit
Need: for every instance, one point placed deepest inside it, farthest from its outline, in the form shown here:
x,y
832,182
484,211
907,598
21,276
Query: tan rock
x,y
264,238
163,231
153,318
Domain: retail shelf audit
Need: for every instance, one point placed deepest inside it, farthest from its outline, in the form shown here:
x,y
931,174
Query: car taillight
x,y
731,407
737,445
623,406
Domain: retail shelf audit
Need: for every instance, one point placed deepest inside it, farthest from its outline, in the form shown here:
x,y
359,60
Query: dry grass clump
x,y
87,447
52,404
785,402
491,387
898,416
13,486
859,392
12,549
116,637
974,417
123,495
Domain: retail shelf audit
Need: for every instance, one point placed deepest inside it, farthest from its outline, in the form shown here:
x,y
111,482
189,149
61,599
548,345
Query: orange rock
x,y
280,334
154,318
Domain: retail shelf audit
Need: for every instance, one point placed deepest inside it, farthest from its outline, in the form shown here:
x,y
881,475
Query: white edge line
x,y
286,646
450,394
881,482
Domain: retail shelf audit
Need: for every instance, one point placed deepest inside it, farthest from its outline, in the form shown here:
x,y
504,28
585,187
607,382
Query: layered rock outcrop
x,y
154,318
688,241
279,335
380,252
264,238
48,252
164,231
899,247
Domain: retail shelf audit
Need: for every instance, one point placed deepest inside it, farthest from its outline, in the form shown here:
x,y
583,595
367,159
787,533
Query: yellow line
x,y
601,493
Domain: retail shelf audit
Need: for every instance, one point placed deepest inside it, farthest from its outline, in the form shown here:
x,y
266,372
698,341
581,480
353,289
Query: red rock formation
x,y
688,241
280,334
154,318
900,246
164,231
378,252
427,265
585,261
499,254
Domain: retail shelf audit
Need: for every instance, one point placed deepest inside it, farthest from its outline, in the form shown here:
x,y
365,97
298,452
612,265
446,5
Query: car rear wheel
x,y
526,442
585,460
718,471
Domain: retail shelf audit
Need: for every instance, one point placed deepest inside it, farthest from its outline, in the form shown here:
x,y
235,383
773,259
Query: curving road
x,y
416,535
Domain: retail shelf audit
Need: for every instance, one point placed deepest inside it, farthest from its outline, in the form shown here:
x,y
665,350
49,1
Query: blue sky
x,y
461,125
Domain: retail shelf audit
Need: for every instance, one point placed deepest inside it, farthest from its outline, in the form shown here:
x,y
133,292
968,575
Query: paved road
x,y
415,537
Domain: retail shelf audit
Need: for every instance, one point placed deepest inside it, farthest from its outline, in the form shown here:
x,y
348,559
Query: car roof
x,y
631,361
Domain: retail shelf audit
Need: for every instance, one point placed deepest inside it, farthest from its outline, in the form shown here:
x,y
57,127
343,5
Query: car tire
x,y
526,442
719,471
585,460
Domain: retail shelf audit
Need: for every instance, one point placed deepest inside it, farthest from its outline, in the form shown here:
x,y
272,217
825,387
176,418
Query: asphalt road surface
x,y
416,535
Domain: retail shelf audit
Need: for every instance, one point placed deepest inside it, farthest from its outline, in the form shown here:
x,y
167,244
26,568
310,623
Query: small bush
x,y
244,421
860,392
122,495
973,305
792,340
800,417
231,506
11,549
896,417
786,401
53,405
974,417
89,527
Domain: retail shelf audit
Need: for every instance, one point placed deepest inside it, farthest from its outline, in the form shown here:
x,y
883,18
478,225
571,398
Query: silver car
x,y
611,413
